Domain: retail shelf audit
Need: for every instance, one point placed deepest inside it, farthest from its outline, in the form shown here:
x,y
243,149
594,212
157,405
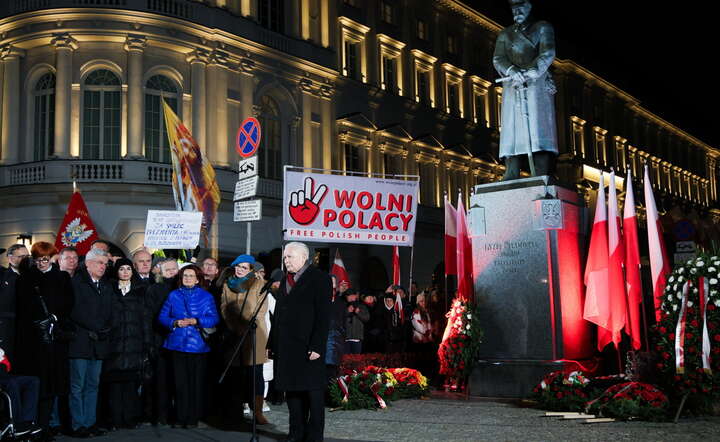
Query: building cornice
x,y
471,14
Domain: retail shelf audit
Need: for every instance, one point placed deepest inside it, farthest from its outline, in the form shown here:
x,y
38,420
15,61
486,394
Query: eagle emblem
x,y
75,233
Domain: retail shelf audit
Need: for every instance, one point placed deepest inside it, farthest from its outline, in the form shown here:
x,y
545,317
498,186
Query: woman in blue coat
x,y
186,310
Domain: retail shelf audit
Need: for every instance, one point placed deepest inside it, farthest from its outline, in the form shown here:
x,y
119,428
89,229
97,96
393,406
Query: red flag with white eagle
x,y
632,266
596,268
77,229
450,238
338,269
659,264
617,302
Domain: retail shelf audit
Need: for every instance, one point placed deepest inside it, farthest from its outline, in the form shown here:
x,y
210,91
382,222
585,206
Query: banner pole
x,y
410,289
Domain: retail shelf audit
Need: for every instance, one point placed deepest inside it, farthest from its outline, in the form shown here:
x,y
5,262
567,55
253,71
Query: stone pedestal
x,y
527,252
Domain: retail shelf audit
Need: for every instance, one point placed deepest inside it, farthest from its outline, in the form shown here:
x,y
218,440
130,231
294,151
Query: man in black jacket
x,y
92,316
299,337
8,277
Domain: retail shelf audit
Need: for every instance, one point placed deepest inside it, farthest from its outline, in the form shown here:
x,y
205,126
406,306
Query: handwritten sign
x,y
169,229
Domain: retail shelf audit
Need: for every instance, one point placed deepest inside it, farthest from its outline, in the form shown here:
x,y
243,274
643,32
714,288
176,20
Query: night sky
x,y
662,55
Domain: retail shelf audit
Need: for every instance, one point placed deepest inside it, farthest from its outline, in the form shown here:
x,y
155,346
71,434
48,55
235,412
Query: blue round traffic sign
x,y
247,140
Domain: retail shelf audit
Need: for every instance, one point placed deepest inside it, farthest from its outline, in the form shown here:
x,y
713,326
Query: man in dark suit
x,y
298,339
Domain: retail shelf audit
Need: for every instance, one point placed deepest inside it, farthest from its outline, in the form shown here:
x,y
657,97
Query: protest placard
x,y
169,229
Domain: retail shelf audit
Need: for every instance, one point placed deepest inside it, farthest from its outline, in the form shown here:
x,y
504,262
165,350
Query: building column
x,y
306,99
198,62
327,127
216,119
305,33
135,46
64,47
10,149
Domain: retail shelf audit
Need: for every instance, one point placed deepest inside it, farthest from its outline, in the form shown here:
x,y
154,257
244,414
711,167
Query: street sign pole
x,y
248,241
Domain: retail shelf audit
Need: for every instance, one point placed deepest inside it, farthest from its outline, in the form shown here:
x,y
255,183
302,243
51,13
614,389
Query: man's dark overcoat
x,y
300,325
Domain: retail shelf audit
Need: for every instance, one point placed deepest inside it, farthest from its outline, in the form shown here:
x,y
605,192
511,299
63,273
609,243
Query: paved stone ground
x,y
442,419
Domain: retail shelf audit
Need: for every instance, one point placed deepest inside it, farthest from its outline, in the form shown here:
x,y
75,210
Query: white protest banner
x,y
170,229
349,209
246,188
247,210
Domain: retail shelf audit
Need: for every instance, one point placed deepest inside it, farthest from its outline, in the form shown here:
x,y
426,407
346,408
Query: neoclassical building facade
x,y
377,86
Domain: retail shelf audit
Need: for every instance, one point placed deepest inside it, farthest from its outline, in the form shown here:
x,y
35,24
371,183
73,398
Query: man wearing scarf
x,y
299,338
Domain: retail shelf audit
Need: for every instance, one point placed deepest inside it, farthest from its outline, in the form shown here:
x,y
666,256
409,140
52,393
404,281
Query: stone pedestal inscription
x,y
517,229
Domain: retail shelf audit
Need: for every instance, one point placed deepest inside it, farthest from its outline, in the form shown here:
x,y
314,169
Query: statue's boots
x,y
544,163
512,168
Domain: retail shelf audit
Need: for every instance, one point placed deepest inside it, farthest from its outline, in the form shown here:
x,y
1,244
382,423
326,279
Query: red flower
x,y
691,349
666,355
691,310
689,335
694,323
559,395
716,338
671,336
711,307
662,330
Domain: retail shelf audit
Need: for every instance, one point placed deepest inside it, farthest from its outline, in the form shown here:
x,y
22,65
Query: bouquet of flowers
x,y
687,337
461,340
559,391
410,383
631,400
374,387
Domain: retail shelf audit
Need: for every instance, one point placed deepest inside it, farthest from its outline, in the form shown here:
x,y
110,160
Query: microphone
x,y
275,276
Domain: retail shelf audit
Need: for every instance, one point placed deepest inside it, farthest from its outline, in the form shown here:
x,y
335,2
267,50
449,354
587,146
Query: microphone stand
x,y
252,330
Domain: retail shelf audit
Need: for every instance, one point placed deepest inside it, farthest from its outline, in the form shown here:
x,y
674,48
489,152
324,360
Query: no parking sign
x,y
247,140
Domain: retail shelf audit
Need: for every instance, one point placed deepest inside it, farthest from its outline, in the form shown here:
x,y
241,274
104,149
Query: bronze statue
x,y
523,53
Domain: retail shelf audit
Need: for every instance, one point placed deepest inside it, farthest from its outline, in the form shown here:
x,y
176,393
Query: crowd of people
x,y
96,343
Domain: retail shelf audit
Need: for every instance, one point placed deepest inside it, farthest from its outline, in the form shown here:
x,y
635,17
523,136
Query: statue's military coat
x,y
527,46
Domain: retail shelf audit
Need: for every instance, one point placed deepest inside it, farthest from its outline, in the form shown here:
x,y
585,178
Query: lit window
x,y
600,146
424,74
101,124
452,44
578,136
389,74
270,14
44,116
157,88
386,11
390,64
454,101
422,30
353,49
352,158
352,65
269,157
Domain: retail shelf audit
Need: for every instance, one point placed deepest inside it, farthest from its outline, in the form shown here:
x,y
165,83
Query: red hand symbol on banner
x,y
305,203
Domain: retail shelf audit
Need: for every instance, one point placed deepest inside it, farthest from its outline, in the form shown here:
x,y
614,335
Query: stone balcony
x,y
121,172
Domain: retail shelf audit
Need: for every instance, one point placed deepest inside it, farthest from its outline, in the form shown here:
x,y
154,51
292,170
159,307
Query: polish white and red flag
x,y
596,268
659,264
450,238
633,282
464,255
338,269
617,301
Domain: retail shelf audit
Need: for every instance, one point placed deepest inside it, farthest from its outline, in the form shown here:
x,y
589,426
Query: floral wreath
x,y
461,344
687,337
